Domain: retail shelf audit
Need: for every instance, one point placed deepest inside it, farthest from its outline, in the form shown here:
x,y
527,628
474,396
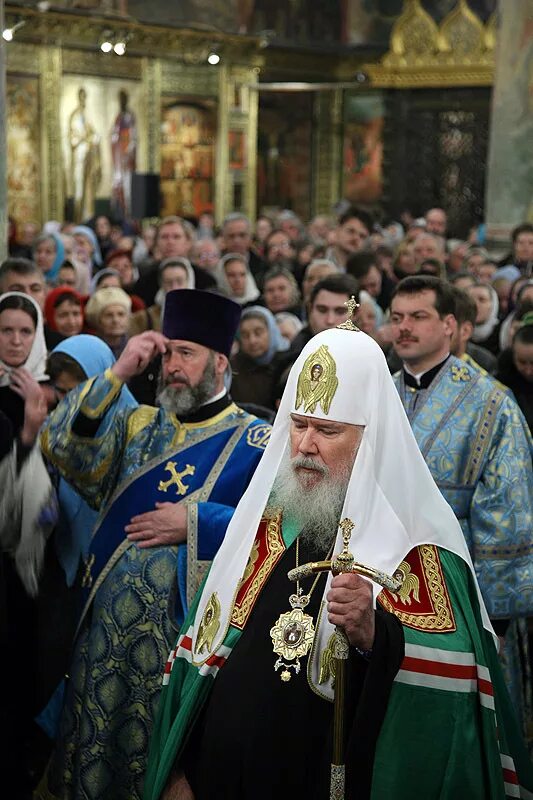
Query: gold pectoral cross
x,y
176,478
87,580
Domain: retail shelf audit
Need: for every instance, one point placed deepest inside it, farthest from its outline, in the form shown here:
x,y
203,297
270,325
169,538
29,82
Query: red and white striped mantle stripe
x,y
448,670
183,649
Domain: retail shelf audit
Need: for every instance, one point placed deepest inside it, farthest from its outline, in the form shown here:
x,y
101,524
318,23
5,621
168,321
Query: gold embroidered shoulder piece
x,y
423,601
267,549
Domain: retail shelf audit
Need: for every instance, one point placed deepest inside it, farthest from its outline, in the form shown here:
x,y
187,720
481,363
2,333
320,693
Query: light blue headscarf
x,y
51,275
277,342
77,519
89,234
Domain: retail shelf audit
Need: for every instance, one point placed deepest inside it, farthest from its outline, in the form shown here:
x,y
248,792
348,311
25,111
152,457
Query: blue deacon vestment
x,y
136,598
475,442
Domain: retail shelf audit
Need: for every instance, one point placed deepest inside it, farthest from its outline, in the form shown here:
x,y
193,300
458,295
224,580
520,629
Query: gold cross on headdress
x,y
346,527
352,305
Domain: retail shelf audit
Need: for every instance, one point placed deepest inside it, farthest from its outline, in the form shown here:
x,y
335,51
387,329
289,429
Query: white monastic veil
x,y
391,497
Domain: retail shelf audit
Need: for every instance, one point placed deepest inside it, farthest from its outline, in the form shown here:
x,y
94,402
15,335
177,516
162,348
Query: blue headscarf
x,y
276,341
51,275
77,520
84,230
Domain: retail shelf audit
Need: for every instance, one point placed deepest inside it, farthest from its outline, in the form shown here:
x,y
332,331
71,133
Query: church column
x,y
327,151
53,195
510,166
3,138
150,149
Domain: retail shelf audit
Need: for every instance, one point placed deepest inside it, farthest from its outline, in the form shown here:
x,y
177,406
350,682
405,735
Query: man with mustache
x,y
166,481
246,711
475,442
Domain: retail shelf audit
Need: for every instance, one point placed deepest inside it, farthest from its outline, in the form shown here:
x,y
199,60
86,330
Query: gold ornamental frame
x,y
54,44
422,54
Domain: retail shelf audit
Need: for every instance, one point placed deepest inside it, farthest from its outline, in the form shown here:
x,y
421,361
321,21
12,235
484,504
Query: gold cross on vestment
x,y
176,478
87,579
460,374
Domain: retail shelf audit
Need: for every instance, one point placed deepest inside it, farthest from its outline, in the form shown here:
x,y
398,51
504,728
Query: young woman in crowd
x,y
71,363
108,313
27,517
63,311
487,328
253,366
49,254
67,275
235,279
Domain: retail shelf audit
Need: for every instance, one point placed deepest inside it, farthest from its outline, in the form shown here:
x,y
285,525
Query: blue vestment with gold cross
x,y
136,599
475,442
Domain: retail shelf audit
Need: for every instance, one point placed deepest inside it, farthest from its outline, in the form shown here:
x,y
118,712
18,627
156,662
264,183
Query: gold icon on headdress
x,y
209,625
317,382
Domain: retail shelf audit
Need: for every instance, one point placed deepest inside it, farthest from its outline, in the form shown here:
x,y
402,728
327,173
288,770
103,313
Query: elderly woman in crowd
x,y
108,312
105,278
63,311
369,316
49,254
86,248
487,327
235,279
254,365
289,325
280,292
318,269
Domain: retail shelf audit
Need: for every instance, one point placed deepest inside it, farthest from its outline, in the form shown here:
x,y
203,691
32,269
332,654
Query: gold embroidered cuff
x,y
102,393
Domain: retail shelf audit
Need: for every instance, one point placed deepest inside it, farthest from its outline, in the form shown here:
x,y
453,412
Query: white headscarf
x,y
482,331
391,496
251,292
36,361
174,261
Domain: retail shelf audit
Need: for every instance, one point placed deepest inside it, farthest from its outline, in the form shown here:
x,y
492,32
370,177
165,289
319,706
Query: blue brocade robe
x,y
475,442
136,598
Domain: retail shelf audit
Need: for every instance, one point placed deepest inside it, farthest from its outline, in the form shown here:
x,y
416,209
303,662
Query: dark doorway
x,y
435,153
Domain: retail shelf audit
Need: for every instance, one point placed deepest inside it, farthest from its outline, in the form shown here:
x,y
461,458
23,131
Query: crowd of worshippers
x,y
72,298
105,280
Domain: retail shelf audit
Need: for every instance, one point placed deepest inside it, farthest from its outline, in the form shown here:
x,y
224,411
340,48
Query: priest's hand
x,y
177,788
351,606
165,526
138,353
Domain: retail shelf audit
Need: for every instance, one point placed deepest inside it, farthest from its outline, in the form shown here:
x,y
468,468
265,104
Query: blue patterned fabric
x,y
77,519
136,607
474,441
477,447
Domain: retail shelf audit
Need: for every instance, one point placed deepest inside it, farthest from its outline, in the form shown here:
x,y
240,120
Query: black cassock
x,y
259,738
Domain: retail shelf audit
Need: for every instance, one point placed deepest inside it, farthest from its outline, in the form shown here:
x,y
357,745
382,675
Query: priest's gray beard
x,y
187,399
316,510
